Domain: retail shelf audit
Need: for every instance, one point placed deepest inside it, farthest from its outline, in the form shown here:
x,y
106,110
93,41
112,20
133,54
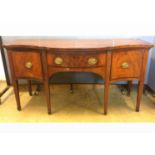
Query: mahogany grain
x,y
78,60
20,59
108,44
134,60
109,54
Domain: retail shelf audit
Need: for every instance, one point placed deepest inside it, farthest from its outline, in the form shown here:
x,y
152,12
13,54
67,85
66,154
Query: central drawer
x,y
76,59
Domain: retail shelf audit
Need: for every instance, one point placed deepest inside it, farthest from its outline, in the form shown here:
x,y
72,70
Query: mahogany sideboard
x,y
111,59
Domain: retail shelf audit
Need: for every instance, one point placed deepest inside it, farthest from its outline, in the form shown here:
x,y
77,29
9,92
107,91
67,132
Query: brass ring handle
x,y
28,65
58,61
125,65
92,61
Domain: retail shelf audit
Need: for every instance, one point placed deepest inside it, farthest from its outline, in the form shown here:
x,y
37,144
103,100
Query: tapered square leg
x,y
107,82
16,91
106,97
47,94
71,88
139,95
30,87
141,81
129,87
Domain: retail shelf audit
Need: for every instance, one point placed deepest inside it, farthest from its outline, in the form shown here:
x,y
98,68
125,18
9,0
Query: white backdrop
x,y
91,18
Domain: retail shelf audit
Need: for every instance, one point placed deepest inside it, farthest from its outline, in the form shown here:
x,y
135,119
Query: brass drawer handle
x,y
28,65
92,61
58,61
125,65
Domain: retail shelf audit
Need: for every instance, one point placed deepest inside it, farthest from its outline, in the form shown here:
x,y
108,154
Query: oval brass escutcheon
x,y
92,61
124,65
28,65
58,61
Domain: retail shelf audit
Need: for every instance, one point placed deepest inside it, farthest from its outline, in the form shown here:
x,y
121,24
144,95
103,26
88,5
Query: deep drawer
x,y
126,64
27,64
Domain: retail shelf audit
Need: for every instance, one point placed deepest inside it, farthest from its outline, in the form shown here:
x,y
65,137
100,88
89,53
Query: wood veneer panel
x,y
133,58
19,60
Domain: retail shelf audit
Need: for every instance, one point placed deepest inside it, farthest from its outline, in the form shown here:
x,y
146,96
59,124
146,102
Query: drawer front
x,y
76,60
27,64
126,64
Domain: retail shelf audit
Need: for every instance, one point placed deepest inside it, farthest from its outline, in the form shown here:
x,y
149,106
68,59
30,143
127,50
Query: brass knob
x,y
124,65
28,65
92,61
58,61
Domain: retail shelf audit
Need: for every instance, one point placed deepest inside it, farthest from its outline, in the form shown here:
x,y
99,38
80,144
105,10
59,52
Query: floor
x,y
2,85
84,105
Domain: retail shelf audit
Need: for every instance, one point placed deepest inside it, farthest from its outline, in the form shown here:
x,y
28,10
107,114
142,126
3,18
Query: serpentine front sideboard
x,y
111,59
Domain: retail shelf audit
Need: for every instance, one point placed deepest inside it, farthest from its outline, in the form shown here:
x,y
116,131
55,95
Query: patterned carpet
x,y
84,105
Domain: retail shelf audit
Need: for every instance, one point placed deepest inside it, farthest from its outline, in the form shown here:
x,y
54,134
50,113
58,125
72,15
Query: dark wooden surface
x,y
108,44
76,60
109,56
20,60
134,60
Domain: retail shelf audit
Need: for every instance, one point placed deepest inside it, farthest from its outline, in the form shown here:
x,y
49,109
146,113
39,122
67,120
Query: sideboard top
x,y
78,43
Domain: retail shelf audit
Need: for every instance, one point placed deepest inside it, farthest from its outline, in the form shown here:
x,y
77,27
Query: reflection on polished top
x,y
79,43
